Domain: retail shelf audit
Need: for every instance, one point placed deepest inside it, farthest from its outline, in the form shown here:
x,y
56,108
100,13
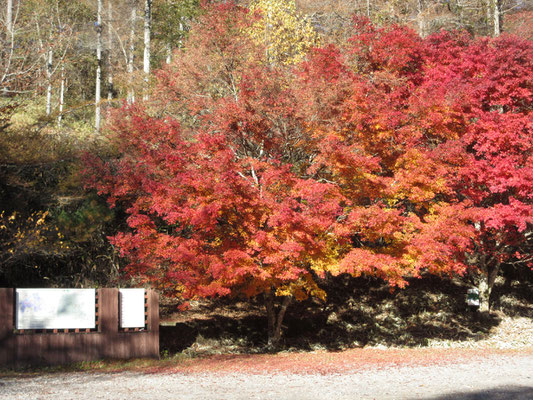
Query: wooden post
x,y
153,322
7,324
108,310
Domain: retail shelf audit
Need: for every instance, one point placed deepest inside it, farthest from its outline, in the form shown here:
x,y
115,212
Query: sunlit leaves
x,y
285,34
381,157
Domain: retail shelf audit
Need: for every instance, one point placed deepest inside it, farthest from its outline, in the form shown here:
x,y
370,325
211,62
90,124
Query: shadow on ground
x,y
506,393
358,312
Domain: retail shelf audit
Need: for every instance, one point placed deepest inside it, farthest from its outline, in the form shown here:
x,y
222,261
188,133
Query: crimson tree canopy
x,y
384,157
483,89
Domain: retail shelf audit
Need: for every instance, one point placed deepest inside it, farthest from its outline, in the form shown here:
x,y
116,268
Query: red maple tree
x,y
385,157
480,91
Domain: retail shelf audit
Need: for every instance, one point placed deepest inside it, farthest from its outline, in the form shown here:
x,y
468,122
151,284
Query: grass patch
x,y
144,365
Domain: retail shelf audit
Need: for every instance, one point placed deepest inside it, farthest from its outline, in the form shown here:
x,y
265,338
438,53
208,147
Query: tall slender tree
x,y
61,96
420,18
110,87
147,43
49,70
496,17
99,45
9,18
170,23
131,51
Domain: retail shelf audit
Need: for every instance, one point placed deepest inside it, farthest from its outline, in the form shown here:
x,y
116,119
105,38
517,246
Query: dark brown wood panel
x,y
49,348
7,307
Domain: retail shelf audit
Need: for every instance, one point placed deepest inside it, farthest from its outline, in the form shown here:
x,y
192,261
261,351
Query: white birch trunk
x,y
182,29
9,18
421,30
110,88
98,114
368,8
131,55
49,61
10,35
169,54
169,45
61,96
489,15
147,32
496,17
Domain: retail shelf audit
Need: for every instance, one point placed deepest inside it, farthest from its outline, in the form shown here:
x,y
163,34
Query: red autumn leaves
x,y
390,156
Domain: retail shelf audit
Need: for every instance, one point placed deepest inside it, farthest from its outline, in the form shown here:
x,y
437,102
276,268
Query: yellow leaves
x,y
329,265
284,291
286,35
410,261
217,241
302,289
41,218
30,234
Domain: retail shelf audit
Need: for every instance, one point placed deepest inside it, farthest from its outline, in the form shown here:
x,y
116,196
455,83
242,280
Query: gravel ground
x,y
490,377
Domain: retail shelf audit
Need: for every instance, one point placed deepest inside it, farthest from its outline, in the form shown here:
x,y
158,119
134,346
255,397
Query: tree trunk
x,y
275,321
421,30
461,10
169,54
496,17
9,18
110,88
181,28
368,8
271,315
180,43
489,16
61,96
49,61
98,116
131,55
10,37
489,272
147,33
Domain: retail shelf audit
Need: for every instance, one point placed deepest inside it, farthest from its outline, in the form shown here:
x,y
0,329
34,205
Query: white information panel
x,y
131,308
55,308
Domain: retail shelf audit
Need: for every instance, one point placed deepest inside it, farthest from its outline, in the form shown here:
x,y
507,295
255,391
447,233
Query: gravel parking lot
x,y
491,377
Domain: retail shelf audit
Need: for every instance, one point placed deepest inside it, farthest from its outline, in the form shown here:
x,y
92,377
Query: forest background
x,y
68,66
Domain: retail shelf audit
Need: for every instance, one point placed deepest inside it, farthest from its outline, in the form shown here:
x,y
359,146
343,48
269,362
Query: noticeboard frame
x,y
86,319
